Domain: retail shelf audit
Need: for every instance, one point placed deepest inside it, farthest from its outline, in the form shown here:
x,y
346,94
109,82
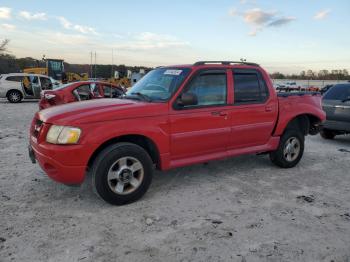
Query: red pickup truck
x,y
174,116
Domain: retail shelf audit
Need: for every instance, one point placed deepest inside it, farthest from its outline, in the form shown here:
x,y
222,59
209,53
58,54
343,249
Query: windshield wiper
x,y
346,99
143,96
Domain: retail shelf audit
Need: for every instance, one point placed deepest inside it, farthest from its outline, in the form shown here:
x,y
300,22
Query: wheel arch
x,y
145,142
307,123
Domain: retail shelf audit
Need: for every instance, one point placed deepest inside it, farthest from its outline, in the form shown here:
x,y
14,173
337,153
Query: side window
x,y
249,87
83,91
34,79
45,83
209,87
14,78
107,91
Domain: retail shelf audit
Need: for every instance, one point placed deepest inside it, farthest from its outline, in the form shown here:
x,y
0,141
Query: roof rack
x,y
224,63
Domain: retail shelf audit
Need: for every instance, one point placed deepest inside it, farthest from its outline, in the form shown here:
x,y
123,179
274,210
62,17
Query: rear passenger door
x,y
254,110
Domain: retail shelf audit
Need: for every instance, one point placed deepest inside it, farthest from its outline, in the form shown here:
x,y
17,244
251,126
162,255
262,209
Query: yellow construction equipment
x,y
123,82
55,69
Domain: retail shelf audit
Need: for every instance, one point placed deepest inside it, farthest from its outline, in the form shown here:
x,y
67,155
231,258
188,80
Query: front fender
x,y
154,128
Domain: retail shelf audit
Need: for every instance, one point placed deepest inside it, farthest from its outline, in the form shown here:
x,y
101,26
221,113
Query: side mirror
x,y
187,99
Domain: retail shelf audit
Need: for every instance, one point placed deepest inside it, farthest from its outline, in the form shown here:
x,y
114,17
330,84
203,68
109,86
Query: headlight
x,y
63,135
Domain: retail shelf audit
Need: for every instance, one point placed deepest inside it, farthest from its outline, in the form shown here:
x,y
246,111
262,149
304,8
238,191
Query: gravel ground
x,y
239,209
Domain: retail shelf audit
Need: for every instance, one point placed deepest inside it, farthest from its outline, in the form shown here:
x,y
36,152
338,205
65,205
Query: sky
x,y
286,36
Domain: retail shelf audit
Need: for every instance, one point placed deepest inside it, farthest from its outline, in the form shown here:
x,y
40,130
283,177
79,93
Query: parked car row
x,y
18,86
292,86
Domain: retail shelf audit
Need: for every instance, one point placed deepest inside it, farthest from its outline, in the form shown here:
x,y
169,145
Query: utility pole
x,y
91,64
95,65
112,75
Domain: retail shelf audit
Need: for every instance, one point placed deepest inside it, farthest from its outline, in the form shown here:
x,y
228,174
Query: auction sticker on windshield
x,y
174,72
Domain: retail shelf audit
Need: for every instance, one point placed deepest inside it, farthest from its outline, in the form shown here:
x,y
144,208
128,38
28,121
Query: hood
x,y
98,110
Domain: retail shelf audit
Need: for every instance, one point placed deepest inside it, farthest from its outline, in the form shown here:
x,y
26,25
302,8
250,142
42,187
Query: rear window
x,y
338,92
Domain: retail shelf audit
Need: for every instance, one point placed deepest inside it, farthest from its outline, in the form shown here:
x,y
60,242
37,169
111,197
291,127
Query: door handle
x,y
219,113
268,108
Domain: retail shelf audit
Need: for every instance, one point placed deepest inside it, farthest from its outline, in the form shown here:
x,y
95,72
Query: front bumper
x,y
336,125
65,164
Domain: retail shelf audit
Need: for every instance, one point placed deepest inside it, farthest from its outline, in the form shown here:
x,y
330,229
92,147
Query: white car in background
x,y
13,88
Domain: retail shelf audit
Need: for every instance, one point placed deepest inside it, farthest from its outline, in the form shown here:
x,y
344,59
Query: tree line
x,y
341,74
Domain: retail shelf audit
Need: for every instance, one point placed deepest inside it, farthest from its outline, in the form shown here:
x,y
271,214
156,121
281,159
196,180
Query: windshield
x,y
338,92
158,84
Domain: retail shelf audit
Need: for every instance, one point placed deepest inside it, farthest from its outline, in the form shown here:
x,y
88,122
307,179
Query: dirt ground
x,y
239,209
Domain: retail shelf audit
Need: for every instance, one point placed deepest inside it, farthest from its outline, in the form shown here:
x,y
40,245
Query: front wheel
x,y
290,149
122,173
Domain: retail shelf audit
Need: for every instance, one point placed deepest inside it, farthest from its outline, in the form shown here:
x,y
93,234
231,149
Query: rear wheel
x,y
14,96
327,134
122,173
290,149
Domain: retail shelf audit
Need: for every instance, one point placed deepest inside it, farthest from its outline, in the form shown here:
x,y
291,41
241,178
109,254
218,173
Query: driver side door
x,y
201,132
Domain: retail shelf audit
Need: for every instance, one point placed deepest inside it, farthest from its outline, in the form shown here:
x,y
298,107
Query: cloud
x,y
232,12
59,38
64,22
80,28
5,13
322,14
8,27
35,16
243,2
282,21
260,19
151,41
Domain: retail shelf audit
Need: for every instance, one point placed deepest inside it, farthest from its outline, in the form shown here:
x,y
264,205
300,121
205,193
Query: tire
x,y
122,173
14,96
327,134
289,157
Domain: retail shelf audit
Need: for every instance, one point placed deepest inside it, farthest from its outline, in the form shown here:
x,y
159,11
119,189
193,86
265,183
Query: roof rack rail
x,y
225,63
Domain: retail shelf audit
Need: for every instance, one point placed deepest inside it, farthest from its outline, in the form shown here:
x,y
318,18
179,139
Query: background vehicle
x,y
78,91
336,104
18,86
172,117
55,68
325,89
